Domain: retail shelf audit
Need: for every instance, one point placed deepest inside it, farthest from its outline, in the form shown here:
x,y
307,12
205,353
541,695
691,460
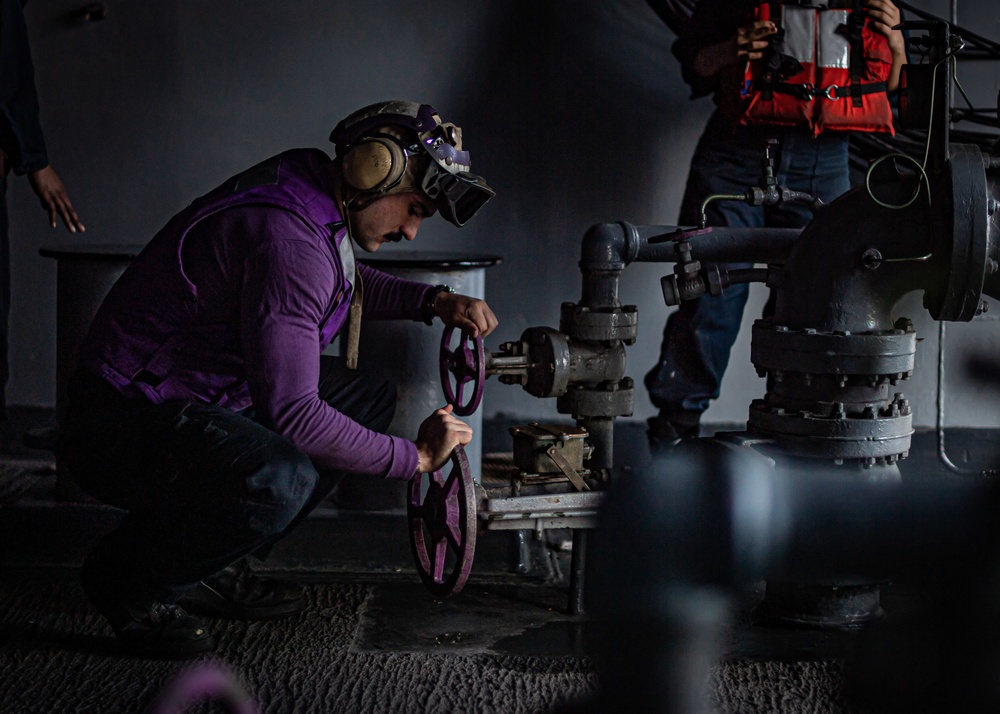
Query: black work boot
x,y
237,593
664,436
149,629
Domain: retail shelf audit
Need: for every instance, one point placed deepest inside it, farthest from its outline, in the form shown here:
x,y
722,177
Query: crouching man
x,y
202,404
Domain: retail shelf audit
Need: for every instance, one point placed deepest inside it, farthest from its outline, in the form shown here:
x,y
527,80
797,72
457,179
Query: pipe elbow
x,y
609,246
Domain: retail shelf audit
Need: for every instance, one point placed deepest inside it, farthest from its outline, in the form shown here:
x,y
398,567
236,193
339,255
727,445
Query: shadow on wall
x,y
586,120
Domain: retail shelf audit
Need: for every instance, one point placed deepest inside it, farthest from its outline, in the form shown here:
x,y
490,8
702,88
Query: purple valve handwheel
x,y
466,363
443,526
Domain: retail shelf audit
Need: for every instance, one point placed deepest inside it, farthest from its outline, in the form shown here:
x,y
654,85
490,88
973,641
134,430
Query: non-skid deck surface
x,y
500,649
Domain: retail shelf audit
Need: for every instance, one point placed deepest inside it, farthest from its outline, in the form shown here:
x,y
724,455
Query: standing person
x,y
202,404
22,149
756,76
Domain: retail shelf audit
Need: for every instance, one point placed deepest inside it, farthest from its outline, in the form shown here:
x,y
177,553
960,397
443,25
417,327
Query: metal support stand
x,y
577,565
84,275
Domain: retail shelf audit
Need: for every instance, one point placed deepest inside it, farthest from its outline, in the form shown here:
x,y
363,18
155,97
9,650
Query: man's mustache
x,y
394,237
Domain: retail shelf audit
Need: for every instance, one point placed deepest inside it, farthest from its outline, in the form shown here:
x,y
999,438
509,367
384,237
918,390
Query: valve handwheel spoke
x,y
440,551
453,536
463,364
443,526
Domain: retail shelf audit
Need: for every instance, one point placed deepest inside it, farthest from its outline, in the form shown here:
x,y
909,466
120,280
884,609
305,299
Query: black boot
x,y
663,435
145,628
237,593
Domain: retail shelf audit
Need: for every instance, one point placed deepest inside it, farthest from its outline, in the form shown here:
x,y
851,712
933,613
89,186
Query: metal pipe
x,y
609,246
600,289
717,197
601,437
720,244
941,450
576,572
953,18
746,275
613,246
939,138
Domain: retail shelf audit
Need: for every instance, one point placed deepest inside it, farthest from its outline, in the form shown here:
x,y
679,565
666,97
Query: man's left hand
x,y
885,16
471,315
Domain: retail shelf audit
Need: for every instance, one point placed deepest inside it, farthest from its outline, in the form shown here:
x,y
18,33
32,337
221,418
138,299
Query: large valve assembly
x,y
557,473
834,355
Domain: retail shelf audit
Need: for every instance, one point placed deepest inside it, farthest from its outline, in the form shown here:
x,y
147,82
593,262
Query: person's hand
x,y
750,41
884,16
54,199
471,315
747,44
437,437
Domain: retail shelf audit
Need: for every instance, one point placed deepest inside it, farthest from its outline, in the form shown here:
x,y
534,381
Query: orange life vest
x,y
826,70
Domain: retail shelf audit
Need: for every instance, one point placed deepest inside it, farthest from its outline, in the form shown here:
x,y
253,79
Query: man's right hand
x,y
437,437
747,44
55,201
750,41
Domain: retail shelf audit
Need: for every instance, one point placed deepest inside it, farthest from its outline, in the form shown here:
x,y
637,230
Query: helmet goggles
x,y
447,180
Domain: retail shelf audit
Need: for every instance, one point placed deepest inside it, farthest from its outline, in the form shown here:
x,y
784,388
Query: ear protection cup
x,y
373,164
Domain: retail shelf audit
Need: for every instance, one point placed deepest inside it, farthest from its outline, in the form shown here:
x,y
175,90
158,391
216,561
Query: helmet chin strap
x,y
353,326
347,220
357,202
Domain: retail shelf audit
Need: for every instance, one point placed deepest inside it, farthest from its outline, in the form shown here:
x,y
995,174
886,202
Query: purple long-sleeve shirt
x,y
233,301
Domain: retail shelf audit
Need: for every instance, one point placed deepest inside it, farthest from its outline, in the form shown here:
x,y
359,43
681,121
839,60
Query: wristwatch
x,y
427,313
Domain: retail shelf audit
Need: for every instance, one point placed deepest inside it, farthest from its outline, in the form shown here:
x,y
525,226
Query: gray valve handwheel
x,y
466,363
443,526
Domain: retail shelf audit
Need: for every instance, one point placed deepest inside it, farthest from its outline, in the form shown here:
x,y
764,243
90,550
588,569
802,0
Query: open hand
x,y
54,199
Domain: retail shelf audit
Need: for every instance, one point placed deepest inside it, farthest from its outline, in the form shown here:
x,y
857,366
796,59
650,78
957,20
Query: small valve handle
x,y
464,364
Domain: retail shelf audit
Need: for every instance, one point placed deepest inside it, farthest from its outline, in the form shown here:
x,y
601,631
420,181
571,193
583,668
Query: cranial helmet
x,y
396,146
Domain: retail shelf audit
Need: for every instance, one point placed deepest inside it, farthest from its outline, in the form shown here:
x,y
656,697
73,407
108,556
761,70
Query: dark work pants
x,y
203,485
699,335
